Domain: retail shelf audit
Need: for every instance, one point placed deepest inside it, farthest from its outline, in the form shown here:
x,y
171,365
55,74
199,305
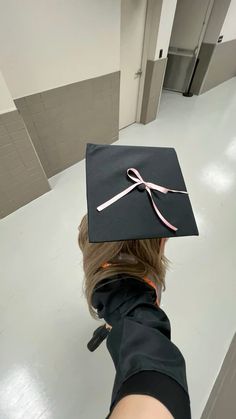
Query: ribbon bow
x,y
145,185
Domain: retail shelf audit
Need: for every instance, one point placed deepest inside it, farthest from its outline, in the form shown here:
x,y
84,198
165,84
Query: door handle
x,y
139,73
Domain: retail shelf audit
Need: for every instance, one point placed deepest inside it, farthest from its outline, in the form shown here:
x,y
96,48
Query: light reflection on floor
x,y
46,371
21,397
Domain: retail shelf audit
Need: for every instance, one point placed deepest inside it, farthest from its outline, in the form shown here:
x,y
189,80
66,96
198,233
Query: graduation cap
x,y
136,192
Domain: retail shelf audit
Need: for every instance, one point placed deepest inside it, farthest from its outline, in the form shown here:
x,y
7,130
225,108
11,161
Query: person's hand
x,y
108,326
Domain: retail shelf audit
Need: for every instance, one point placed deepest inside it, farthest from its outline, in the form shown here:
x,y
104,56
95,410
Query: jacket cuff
x,y
159,386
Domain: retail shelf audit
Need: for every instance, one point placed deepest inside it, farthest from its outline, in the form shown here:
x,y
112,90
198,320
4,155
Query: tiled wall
x,y
49,132
217,63
221,403
22,177
60,121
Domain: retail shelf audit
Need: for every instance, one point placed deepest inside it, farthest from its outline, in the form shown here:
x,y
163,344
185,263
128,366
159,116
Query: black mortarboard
x,y
133,216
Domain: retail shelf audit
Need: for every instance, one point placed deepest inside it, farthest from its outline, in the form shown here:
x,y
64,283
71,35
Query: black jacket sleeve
x,y
140,344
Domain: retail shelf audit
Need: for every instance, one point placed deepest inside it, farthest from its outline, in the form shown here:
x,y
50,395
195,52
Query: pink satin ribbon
x,y
148,186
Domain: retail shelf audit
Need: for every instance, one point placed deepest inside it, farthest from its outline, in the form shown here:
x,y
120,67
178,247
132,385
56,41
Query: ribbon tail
x,y
116,197
162,188
173,190
172,227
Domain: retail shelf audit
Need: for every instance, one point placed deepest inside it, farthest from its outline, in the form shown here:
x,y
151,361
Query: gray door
x,y
188,30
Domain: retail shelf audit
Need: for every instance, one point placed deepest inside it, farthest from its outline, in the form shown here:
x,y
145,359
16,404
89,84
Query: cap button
x,y
141,187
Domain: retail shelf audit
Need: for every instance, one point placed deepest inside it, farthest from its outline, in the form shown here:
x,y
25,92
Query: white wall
x,y
229,26
6,101
49,43
165,27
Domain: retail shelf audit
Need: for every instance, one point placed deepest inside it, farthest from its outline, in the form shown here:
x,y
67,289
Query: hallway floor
x,y
46,371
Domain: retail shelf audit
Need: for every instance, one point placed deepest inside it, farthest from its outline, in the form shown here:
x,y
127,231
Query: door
x,y
133,17
188,30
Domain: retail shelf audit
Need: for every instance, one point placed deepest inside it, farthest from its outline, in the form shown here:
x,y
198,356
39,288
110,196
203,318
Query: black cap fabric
x,y
133,216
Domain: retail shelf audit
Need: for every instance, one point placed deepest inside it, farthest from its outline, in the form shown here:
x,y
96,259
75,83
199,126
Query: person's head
x,y
135,257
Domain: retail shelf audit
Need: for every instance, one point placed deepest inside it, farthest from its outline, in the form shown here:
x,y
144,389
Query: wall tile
x,y
22,177
60,121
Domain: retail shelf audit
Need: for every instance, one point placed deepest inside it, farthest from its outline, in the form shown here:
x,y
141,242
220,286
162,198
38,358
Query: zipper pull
x,y
99,335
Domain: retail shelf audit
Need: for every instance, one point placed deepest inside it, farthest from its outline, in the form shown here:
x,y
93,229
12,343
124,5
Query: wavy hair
x,y
143,258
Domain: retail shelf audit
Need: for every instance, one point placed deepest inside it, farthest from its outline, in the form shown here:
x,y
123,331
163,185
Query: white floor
x,y
46,371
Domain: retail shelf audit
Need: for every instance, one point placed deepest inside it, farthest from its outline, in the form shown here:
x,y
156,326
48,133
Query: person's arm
x,y
137,406
147,362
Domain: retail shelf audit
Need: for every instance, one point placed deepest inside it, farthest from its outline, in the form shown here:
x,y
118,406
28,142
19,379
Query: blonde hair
x,y
148,256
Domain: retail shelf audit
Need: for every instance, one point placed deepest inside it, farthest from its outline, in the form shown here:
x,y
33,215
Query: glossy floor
x,y
46,371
